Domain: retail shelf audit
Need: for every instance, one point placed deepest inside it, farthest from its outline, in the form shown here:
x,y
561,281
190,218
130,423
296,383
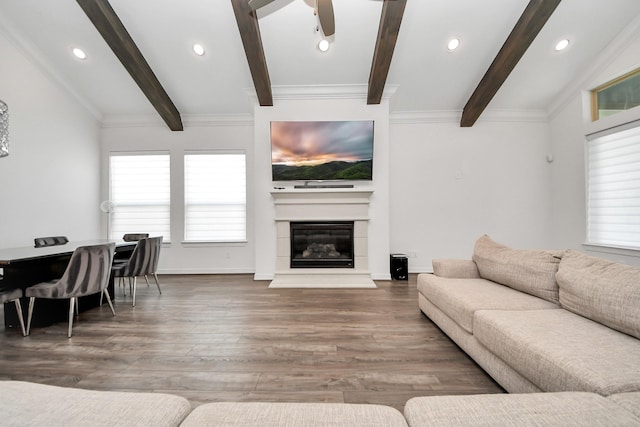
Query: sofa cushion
x,y
537,409
30,404
629,401
455,268
601,290
293,414
560,351
530,271
461,298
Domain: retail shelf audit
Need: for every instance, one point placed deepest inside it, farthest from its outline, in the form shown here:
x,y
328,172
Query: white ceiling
x,y
428,77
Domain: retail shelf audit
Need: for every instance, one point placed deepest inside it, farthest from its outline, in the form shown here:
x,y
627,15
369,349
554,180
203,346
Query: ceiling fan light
x,y
198,49
453,44
323,45
79,53
562,45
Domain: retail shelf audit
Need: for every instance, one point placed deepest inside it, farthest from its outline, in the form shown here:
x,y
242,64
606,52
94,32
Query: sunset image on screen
x,y
322,150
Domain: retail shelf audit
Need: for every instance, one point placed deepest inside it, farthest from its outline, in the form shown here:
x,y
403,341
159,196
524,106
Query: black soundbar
x,y
307,185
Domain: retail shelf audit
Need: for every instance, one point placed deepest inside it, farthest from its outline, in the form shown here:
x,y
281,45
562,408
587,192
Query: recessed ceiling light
x,y
79,53
198,49
323,45
562,44
453,44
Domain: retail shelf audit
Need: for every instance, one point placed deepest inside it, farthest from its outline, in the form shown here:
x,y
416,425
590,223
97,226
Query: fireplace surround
x,y
322,207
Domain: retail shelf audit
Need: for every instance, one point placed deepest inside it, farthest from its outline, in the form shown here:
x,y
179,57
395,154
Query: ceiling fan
x,y
323,8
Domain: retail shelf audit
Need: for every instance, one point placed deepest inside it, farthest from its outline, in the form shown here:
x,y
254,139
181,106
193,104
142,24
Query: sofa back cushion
x,y
601,290
530,271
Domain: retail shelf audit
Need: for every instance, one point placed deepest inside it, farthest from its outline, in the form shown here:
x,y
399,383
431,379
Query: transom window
x,y
617,95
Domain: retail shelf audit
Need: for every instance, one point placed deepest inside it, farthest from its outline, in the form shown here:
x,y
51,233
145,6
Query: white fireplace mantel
x,y
322,204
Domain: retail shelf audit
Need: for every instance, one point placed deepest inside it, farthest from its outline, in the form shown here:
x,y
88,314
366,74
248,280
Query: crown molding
x,y
453,116
322,92
189,120
215,120
418,117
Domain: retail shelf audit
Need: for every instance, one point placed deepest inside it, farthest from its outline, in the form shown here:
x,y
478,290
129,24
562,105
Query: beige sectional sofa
x,y
29,404
557,322
539,320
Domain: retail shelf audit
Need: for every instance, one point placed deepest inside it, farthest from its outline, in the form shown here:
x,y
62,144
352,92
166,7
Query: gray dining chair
x,y
40,242
143,262
8,295
86,274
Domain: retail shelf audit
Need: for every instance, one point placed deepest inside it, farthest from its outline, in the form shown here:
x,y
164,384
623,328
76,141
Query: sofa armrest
x,y
455,268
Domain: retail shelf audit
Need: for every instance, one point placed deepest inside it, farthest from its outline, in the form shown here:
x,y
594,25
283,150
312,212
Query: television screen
x,y
319,151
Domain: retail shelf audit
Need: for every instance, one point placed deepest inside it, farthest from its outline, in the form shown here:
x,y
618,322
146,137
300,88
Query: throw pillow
x,y
529,271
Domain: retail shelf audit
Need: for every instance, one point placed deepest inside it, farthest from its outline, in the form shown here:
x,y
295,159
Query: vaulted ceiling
x,y
140,62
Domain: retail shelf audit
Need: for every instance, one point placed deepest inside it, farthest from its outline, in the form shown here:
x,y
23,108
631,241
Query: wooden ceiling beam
x,y
390,20
117,37
533,18
250,34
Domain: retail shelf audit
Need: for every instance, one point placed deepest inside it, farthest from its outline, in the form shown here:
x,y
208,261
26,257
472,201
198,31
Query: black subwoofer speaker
x,y
399,267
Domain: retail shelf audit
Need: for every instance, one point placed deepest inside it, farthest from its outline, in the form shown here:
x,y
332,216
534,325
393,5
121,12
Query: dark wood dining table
x,y
25,266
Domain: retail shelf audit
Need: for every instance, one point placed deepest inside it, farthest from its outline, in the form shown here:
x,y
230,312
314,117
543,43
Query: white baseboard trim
x,y
419,269
205,271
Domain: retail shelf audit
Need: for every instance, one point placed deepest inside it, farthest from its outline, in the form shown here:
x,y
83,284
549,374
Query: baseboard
x,y
205,271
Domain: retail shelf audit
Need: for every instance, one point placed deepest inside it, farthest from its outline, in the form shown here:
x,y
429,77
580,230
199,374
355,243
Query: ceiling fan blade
x,y
325,14
257,4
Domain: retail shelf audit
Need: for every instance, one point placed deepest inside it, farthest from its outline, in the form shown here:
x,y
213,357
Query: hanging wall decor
x,y
4,129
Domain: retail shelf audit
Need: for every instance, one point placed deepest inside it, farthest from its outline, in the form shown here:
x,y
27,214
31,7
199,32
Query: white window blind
x,y
215,197
613,188
140,193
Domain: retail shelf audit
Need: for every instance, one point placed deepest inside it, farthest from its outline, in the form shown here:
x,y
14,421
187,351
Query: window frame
x,y
185,206
112,154
595,110
612,134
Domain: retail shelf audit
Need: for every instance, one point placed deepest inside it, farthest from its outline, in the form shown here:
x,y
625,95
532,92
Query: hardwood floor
x,y
229,338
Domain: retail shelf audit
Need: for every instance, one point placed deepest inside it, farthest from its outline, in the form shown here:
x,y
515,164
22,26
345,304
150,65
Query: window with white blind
x,y
613,187
215,197
140,193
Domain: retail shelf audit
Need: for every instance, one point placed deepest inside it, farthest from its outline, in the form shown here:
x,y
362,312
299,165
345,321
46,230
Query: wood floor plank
x,y
216,338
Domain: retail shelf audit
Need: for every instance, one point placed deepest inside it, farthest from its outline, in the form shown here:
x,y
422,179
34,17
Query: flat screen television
x,y
322,150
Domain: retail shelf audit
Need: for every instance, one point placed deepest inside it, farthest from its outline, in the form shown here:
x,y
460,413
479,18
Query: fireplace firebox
x,y
327,244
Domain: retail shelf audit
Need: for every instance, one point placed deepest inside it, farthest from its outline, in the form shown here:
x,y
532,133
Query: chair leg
x,y
106,293
155,276
30,313
146,278
72,305
134,292
20,318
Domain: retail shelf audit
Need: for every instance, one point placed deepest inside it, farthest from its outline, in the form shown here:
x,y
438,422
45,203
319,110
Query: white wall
x,y
569,125
450,185
303,106
202,133
49,184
